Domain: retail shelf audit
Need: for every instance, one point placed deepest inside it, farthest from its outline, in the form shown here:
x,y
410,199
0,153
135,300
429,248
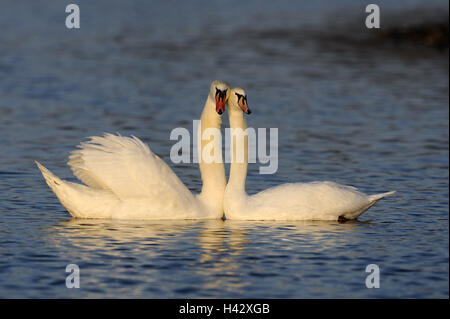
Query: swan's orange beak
x,y
220,101
244,106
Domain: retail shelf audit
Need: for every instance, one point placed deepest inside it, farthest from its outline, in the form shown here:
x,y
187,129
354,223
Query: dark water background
x,y
349,109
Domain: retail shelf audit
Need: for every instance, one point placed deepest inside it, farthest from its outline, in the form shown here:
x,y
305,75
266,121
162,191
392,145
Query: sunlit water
x,y
358,114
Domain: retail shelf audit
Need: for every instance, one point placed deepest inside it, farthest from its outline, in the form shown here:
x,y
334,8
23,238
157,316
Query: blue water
x,y
371,115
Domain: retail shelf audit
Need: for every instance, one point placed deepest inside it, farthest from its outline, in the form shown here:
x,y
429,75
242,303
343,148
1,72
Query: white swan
x,y
294,201
126,180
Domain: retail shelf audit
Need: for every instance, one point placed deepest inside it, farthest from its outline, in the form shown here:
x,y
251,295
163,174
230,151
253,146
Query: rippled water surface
x,y
375,116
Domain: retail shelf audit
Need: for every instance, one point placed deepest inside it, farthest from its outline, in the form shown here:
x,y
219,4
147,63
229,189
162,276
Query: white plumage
x,y
293,201
124,179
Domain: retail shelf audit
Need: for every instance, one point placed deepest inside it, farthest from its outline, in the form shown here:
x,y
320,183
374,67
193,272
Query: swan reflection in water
x,y
221,253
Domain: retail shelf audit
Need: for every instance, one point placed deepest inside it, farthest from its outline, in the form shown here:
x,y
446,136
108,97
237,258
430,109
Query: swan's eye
x,y
220,93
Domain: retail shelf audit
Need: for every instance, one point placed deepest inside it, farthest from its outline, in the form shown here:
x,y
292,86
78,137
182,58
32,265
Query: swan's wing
x,y
336,186
128,168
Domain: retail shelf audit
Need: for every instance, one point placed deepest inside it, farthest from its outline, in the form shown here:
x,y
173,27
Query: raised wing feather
x,y
128,168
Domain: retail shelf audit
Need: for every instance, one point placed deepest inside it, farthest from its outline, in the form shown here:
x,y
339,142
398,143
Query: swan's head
x,y
238,101
220,91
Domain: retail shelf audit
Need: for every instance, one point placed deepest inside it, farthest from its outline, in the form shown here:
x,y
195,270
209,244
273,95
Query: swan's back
x,y
315,200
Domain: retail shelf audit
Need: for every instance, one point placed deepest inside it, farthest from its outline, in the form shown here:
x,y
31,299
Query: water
x,y
348,110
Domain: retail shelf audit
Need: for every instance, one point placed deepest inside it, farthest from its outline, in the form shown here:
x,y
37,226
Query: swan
x,y
124,179
292,201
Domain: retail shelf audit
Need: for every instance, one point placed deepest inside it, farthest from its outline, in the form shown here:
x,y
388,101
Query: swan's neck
x,y
239,153
213,173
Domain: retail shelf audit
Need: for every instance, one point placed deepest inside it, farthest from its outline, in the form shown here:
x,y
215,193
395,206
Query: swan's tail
x,y
80,200
52,180
57,185
377,197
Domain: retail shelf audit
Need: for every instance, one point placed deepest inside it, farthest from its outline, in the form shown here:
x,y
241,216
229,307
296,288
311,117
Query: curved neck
x,y
239,152
212,169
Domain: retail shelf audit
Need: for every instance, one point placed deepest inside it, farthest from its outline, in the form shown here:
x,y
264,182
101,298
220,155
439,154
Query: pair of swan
x,y
124,179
